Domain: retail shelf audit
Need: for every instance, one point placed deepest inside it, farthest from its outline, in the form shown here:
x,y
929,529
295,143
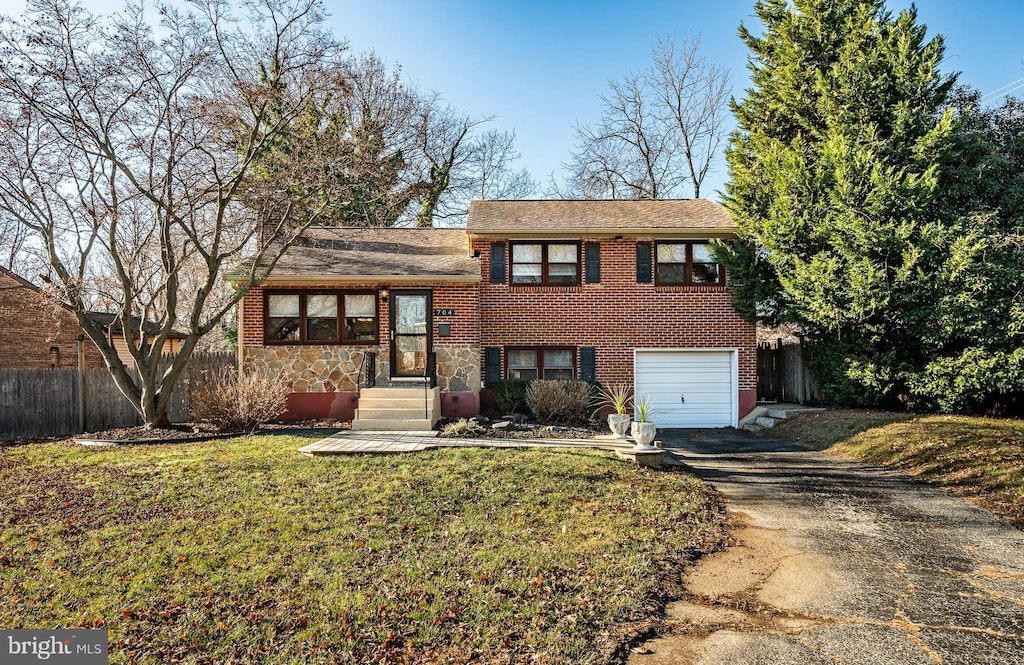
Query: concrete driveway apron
x,y
840,562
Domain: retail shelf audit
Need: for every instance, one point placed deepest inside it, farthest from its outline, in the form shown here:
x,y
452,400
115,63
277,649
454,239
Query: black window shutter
x,y
588,363
593,257
492,366
498,270
643,262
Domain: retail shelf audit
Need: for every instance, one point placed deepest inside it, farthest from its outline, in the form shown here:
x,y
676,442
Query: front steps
x,y
407,408
766,416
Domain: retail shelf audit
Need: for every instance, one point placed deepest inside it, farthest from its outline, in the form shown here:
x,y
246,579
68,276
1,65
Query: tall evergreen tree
x,y
837,166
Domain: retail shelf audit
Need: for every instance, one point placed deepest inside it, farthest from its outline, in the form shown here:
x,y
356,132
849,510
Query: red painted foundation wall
x,y
342,406
460,404
313,406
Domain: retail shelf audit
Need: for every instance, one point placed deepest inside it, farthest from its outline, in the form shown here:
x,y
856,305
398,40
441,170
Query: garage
x,y
690,387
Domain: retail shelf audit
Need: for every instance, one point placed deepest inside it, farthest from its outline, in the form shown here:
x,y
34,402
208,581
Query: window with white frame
x,y
540,363
545,263
320,317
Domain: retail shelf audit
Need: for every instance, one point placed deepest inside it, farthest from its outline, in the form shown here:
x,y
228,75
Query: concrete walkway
x,y
840,562
347,442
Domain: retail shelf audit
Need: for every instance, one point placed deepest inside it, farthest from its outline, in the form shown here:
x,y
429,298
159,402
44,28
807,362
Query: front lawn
x,y
242,550
981,459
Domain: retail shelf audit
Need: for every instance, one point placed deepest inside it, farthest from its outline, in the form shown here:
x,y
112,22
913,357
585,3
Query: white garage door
x,y
690,388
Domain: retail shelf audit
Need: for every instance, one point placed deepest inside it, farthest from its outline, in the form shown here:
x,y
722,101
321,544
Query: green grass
x,y
243,550
981,459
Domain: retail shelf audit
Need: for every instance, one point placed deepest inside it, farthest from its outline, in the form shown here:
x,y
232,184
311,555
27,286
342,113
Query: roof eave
x,y
278,278
693,233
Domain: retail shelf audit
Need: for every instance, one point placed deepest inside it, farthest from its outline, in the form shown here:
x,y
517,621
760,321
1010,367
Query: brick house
x,y
36,332
613,291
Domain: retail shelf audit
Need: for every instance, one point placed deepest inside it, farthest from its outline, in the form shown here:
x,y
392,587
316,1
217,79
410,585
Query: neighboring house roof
x,y
112,323
18,278
633,216
105,320
351,255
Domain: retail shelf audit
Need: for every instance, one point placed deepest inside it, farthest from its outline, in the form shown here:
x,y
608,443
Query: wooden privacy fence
x,y
200,365
37,403
783,374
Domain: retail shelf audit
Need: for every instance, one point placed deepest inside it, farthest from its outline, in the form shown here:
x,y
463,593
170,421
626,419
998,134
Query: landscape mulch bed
x,y
520,428
192,432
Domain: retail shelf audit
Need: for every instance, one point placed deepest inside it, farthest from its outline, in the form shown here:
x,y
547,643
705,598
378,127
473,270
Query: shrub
x,y
975,381
560,401
510,394
461,428
236,401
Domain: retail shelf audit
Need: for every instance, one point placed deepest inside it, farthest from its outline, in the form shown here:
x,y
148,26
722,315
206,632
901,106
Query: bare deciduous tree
x,y
630,154
660,129
493,176
401,155
694,92
474,167
127,152
444,151
13,237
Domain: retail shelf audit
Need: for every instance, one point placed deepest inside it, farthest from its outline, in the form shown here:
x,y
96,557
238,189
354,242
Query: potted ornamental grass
x,y
643,428
618,397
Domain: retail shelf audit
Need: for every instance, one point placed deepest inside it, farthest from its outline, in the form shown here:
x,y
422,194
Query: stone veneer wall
x,y
313,369
458,367
329,369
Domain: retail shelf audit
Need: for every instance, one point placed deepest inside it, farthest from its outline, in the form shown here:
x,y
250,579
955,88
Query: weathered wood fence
x,y
783,374
37,403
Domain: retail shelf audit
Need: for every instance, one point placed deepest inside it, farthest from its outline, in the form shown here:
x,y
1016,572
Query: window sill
x,y
544,288
289,343
690,288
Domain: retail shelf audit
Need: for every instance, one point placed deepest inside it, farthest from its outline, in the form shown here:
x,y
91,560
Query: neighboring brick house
x,y
613,291
36,332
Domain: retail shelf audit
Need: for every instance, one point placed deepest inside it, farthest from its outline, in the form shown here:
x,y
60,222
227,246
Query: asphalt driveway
x,y
841,562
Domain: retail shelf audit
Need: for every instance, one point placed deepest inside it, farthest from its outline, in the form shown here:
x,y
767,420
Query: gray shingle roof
x,y
646,214
112,323
380,252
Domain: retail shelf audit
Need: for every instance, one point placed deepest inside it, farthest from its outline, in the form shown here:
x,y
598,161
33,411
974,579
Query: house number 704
x,y
444,312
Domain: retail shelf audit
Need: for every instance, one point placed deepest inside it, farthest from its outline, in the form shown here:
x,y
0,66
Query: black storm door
x,y
410,332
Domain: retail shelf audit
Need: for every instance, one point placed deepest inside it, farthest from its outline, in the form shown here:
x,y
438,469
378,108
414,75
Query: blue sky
x,y
539,66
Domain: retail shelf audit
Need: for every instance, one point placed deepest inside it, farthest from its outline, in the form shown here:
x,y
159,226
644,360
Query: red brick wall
x,y
615,316
463,298
30,325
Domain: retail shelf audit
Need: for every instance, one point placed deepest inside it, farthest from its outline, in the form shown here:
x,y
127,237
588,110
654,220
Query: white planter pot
x,y
643,433
619,425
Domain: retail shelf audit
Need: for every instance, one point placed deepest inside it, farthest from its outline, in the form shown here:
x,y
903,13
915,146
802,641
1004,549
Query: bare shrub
x,y
462,428
237,401
560,401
